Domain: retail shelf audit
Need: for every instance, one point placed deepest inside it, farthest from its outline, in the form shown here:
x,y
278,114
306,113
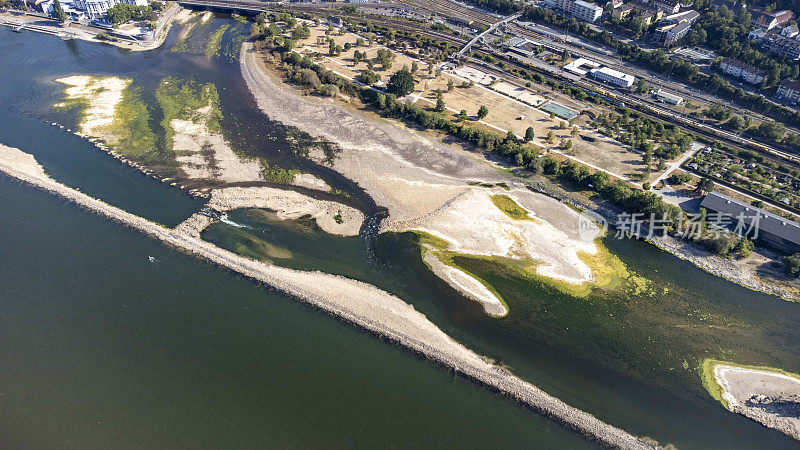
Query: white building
x,y
587,12
611,76
96,9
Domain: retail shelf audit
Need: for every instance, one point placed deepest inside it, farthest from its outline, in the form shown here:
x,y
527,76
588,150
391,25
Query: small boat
x,y
19,28
151,259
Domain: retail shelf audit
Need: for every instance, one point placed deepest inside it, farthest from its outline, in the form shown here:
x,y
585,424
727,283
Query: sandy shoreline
x,y
353,301
769,397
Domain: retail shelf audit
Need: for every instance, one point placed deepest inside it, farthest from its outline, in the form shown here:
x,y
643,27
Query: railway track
x,y
650,109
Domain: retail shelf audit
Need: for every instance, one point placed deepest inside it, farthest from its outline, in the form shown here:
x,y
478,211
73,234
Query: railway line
x,y
646,107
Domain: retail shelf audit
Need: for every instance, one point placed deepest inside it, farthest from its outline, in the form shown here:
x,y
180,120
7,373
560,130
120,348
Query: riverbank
x,y
767,395
433,187
41,23
353,301
262,82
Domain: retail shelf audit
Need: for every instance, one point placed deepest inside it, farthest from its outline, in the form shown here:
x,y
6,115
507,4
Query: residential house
x,y
622,12
781,45
669,35
689,16
790,31
742,70
789,90
587,12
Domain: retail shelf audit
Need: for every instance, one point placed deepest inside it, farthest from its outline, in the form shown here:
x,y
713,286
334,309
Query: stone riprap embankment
x,y
356,302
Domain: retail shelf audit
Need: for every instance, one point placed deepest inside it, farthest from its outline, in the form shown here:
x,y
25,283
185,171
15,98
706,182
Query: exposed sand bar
x,y
356,302
428,186
769,397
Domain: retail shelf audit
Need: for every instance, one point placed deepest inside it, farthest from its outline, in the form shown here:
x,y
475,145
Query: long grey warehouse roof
x,y
767,222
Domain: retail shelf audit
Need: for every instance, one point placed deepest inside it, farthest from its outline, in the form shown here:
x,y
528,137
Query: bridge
x,y
488,30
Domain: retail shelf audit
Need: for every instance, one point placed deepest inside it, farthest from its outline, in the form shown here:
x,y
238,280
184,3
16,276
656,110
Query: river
x,y
107,348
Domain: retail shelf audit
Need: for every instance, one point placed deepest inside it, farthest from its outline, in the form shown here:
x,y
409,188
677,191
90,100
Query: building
x,y
781,45
689,17
789,90
782,17
611,76
669,35
756,35
773,229
579,9
96,9
790,31
768,21
668,6
741,70
586,12
622,12
762,21
666,97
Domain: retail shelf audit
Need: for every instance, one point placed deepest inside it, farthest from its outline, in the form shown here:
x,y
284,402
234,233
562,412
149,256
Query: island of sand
x,y
767,395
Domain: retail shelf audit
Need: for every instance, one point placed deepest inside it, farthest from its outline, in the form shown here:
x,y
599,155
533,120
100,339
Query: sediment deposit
x,y
354,301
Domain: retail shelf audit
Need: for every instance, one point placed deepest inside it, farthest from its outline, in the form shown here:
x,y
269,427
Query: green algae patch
x,y
706,371
134,137
511,208
608,271
278,174
215,42
187,100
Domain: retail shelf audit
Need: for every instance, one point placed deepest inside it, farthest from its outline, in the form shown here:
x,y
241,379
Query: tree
x,y
529,134
770,129
462,116
401,83
738,123
791,265
369,77
511,137
58,12
641,86
439,102
705,185
483,111
449,85
550,137
414,67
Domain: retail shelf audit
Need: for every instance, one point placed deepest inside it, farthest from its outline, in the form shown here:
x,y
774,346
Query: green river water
x,y
100,347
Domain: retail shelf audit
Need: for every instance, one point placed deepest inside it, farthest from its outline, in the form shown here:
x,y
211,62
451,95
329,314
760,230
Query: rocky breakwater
x,y
356,302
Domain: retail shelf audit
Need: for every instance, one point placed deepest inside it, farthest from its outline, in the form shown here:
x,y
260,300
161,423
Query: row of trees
x,y
123,12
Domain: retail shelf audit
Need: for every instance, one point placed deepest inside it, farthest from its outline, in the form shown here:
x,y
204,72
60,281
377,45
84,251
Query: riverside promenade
x,y
350,300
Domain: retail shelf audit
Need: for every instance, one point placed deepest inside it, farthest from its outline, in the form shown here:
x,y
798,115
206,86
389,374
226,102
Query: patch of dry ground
x,y
771,398
205,154
332,217
101,95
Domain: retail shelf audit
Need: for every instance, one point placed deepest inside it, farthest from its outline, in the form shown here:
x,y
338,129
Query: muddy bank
x,y
354,301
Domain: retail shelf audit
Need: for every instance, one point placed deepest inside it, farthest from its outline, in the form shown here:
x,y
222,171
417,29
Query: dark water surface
x,y
99,347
